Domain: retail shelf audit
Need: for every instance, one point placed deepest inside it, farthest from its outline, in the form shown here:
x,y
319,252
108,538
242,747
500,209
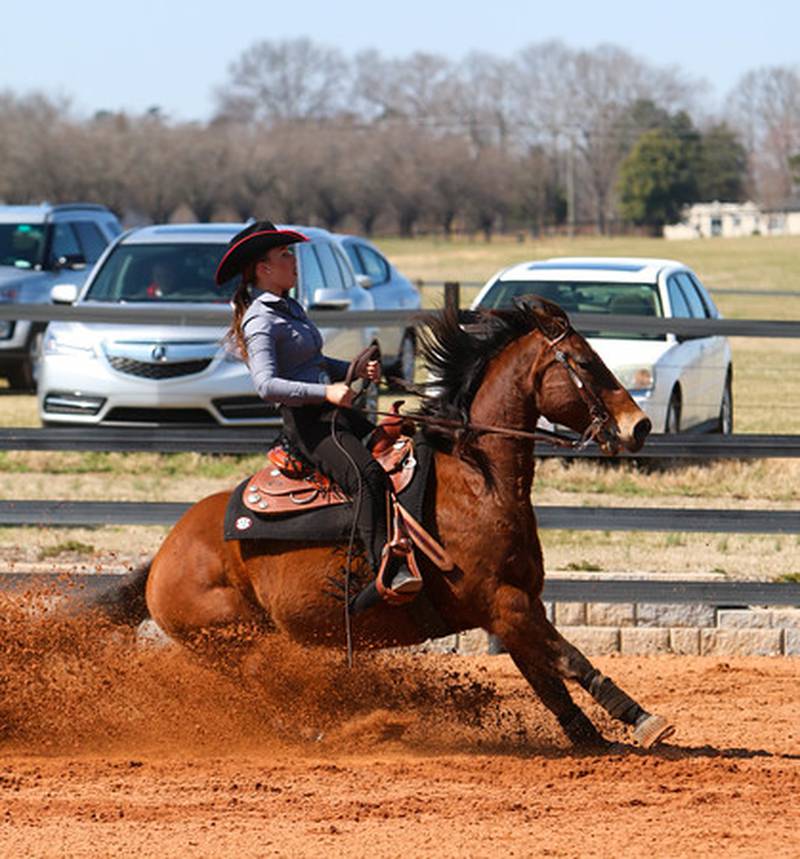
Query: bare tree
x,y
285,80
448,168
410,195
581,98
252,168
205,168
490,194
155,176
370,176
764,107
485,100
419,88
38,162
539,199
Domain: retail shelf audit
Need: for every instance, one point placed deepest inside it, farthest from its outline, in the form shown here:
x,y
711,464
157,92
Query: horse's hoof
x,y
652,730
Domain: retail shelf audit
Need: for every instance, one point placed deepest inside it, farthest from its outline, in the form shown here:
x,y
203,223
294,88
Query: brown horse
x,y
520,365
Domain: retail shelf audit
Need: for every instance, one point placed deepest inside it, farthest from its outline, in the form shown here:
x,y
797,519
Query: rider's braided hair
x,y
241,301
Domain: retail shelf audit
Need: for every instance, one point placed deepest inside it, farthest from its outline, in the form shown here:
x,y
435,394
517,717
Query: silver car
x,y
390,290
134,374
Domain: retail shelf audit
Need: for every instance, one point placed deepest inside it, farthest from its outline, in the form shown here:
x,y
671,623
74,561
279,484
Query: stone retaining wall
x,y
652,628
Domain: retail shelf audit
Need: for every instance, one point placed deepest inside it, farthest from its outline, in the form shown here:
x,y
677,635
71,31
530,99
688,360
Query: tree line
x,y
551,137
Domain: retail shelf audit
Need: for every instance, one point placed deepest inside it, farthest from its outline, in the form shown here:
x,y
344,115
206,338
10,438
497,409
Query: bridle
x,y
601,429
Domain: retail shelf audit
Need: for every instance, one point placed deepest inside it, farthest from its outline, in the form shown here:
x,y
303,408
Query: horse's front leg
x,y
546,658
648,729
521,624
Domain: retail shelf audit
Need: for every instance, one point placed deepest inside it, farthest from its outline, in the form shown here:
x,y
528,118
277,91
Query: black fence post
x,y
452,295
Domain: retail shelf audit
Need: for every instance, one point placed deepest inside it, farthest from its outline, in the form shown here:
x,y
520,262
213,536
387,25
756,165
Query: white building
x,y
729,220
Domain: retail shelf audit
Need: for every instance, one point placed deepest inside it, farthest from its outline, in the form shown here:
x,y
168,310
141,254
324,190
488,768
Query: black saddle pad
x,y
324,524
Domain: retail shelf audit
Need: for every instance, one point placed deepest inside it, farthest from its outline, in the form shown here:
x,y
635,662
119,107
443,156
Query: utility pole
x,y
571,186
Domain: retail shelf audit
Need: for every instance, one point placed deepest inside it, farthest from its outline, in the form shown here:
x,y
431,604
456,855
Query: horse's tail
x,y
123,602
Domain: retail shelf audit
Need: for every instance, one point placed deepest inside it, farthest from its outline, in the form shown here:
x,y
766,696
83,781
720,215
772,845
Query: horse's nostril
x,y
642,430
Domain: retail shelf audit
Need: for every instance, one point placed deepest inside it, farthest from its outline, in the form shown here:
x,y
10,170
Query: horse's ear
x,y
550,319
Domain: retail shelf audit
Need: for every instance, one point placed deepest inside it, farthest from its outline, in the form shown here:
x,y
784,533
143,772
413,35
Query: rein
x,y
543,435
597,428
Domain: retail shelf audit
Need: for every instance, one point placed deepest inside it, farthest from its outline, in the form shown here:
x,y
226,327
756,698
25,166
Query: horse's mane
x,y
456,351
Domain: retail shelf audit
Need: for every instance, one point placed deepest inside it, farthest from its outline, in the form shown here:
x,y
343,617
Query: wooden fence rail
x,y
74,514
717,593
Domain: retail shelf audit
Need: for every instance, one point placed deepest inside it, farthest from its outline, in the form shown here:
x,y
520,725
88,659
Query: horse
x,y
499,374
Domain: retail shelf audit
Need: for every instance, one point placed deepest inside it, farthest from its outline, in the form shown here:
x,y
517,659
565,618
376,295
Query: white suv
x,y
156,374
681,382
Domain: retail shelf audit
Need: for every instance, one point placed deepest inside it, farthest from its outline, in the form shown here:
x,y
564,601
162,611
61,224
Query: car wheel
x,y
725,420
672,424
25,376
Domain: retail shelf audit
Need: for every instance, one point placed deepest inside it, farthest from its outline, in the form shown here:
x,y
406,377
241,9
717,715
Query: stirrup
x,y
402,551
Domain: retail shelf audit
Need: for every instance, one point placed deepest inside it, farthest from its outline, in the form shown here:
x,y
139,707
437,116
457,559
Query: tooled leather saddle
x,y
289,484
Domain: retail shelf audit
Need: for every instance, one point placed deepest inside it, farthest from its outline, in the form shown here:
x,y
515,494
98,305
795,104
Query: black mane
x,y
456,351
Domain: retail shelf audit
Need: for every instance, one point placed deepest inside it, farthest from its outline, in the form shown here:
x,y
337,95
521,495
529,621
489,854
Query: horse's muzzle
x,y
642,429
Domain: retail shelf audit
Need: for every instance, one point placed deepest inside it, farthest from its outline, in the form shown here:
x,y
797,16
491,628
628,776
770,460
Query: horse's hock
x,y
642,629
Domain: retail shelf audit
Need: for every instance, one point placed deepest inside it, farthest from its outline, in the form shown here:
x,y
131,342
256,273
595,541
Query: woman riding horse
x,y
283,350
210,593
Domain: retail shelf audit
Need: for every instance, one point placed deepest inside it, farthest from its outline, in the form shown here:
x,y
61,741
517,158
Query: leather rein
x,y
601,428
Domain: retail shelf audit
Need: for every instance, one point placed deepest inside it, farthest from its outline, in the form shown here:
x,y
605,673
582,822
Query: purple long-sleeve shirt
x,y
284,352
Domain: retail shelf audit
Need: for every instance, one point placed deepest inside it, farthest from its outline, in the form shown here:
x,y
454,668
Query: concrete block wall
x,y
645,629
690,630
685,629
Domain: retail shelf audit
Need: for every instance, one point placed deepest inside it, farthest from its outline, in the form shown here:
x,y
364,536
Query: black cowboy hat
x,y
251,244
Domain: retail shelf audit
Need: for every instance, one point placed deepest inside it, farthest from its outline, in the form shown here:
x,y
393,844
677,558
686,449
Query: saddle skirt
x,y
286,486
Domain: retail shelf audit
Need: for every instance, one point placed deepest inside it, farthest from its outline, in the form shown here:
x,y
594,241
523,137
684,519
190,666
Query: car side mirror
x,y
64,293
71,261
328,299
364,281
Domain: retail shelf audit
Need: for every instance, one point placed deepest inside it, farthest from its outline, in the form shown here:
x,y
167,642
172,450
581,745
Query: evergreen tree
x,y
657,178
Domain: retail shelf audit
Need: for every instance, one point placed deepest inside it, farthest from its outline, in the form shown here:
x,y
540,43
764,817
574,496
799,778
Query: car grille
x,y
161,370
158,416
245,408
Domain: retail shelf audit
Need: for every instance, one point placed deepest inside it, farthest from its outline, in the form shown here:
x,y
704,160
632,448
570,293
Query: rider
x,y
283,350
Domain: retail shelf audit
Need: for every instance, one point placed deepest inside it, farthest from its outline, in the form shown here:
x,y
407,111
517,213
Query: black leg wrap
x,y
609,696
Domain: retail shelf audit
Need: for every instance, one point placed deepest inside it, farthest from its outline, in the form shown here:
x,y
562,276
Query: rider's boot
x,y
402,582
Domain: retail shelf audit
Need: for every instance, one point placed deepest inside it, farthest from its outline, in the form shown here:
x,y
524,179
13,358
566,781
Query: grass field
x,y
766,396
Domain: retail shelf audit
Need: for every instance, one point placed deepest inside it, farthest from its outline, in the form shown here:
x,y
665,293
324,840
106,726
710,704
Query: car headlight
x,y
637,377
63,343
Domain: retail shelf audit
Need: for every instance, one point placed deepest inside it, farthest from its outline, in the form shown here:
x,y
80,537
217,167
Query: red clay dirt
x,y
112,749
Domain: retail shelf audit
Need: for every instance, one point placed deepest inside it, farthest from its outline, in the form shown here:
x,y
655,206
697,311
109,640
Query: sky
x,y
106,55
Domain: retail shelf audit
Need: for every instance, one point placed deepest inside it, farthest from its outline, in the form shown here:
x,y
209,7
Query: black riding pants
x,y
347,461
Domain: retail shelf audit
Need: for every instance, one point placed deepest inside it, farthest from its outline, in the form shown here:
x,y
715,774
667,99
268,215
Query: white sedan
x,y
681,382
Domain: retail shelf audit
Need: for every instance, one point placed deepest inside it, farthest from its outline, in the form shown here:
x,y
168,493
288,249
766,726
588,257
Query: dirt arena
x,y
110,749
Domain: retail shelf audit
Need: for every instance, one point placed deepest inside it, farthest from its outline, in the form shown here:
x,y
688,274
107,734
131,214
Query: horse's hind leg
x,y
648,729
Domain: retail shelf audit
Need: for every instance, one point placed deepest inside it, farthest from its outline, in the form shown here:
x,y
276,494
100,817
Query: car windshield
x,y
604,298
22,245
161,272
